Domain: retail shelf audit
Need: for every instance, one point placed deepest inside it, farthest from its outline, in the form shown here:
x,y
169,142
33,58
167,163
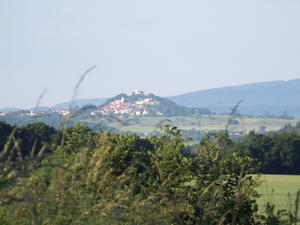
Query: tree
x,y
5,131
77,137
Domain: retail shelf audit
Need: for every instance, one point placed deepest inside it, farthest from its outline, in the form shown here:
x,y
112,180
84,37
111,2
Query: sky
x,y
165,47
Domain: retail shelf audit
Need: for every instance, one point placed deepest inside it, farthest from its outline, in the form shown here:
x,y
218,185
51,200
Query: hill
x,y
79,103
9,109
138,103
258,98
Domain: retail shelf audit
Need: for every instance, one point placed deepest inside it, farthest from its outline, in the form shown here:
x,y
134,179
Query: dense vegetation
x,y
277,152
77,176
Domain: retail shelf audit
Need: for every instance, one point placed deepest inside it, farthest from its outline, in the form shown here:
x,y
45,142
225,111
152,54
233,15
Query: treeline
x,y
27,139
276,152
291,129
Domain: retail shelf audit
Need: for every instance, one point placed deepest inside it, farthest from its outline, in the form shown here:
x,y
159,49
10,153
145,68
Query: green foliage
x,y
29,138
5,131
78,136
288,128
278,153
108,178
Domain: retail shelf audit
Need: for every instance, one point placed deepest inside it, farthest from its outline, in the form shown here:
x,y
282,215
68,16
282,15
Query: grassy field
x,y
280,190
147,124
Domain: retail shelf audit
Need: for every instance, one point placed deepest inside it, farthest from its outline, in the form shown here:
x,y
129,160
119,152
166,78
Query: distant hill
x,y
9,109
80,103
138,103
40,108
274,97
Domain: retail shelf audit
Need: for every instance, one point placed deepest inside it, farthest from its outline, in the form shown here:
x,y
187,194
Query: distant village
x,y
33,112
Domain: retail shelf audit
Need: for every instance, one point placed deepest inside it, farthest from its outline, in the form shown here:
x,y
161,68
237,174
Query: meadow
x,y
148,124
280,190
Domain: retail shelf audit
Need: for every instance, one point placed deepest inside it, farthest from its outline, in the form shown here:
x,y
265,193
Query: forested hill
x,y
274,97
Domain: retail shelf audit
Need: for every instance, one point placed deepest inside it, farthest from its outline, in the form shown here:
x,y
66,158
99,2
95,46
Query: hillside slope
x,y
274,97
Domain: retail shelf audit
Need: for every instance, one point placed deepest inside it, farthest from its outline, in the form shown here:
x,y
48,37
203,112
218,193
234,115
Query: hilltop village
x,y
120,106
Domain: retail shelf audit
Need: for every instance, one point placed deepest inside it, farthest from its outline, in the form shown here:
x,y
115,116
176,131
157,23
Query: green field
x,y
280,190
147,124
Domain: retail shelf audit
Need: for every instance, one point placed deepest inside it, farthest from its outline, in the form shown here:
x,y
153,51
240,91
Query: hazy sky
x,y
166,47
